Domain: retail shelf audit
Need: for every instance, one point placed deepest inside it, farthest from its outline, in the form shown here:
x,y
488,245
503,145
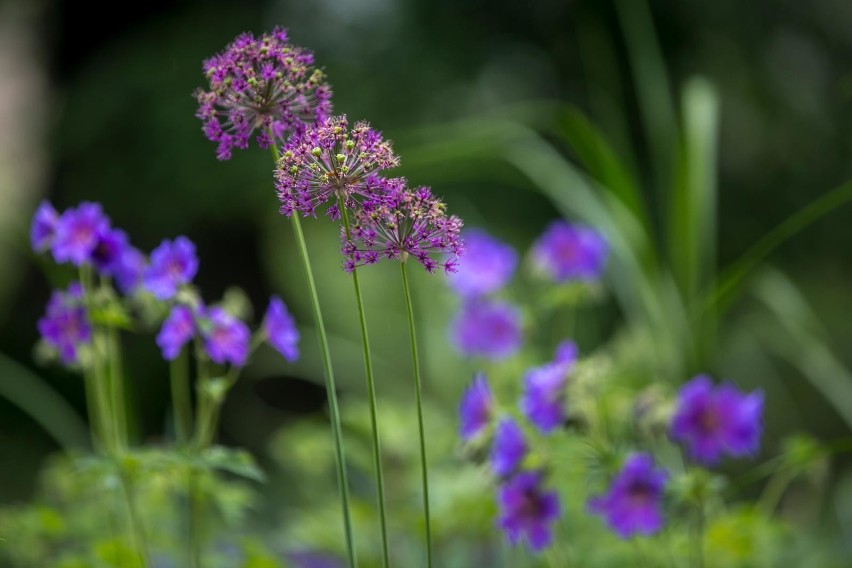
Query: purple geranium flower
x,y
65,325
633,504
226,339
261,84
397,222
508,449
476,407
280,329
488,265
77,233
330,161
108,250
543,401
43,228
711,421
486,328
570,252
173,264
526,510
129,269
176,331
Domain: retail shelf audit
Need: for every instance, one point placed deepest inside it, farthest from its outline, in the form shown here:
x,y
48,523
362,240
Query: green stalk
x,y
330,386
181,397
371,391
415,361
117,399
137,529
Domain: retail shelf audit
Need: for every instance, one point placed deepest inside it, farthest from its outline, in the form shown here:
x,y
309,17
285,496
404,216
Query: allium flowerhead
x,y
129,270
43,228
527,510
226,339
633,504
487,266
280,329
508,448
397,222
486,328
65,325
330,161
543,401
173,264
176,331
711,421
77,233
568,252
476,408
108,251
261,85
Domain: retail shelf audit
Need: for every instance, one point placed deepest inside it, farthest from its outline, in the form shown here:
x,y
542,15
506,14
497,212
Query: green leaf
x,y
236,461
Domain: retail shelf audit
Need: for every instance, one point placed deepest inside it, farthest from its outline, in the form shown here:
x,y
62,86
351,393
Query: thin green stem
x,y
371,392
181,396
415,361
330,386
117,399
194,493
140,541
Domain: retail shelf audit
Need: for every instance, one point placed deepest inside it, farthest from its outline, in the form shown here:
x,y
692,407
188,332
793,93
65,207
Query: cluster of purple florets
x,y
84,237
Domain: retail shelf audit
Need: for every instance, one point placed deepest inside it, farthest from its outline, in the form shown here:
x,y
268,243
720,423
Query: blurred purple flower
x,y
330,161
173,264
261,84
633,504
476,407
77,233
43,228
311,559
508,448
527,510
108,250
280,329
711,421
543,401
486,328
65,325
396,222
226,339
178,328
567,252
129,269
488,265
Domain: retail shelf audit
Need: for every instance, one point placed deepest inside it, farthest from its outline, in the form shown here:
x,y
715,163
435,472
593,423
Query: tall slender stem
x,y
415,360
371,392
118,401
181,397
330,386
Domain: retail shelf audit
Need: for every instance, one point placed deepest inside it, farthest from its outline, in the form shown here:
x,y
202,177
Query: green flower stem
x,y
118,402
330,386
194,493
140,543
415,360
181,397
371,391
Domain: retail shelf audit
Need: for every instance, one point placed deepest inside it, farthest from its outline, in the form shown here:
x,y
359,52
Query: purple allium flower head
x,y
527,510
476,407
508,448
65,325
108,251
173,264
487,266
570,252
633,504
280,329
129,270
43,228
77,233
261,84
330,161
226,339
177,329
711,421
543,401
396,222
487,328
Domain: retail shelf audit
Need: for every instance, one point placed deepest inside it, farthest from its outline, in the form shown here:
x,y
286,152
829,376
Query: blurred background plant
x,y
699,138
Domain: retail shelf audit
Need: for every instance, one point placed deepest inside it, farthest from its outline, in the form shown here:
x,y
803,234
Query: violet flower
x,y
77,233
43,228
543,401
508,448
566,252
487,328
261,84
488,265
280,329
527,510
177,329
226,339
65,325
633,504
173,264
476,408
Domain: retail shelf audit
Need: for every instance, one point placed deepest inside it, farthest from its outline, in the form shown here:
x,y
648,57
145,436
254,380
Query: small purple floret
x,y
77,233
543,401
176,331
476,407
43,228
508,448
65,325
527,510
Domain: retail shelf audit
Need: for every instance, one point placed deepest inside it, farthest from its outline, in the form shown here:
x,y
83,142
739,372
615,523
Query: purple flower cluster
x,y
633,504
566,252
261,84
397,222
711,421
65,326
